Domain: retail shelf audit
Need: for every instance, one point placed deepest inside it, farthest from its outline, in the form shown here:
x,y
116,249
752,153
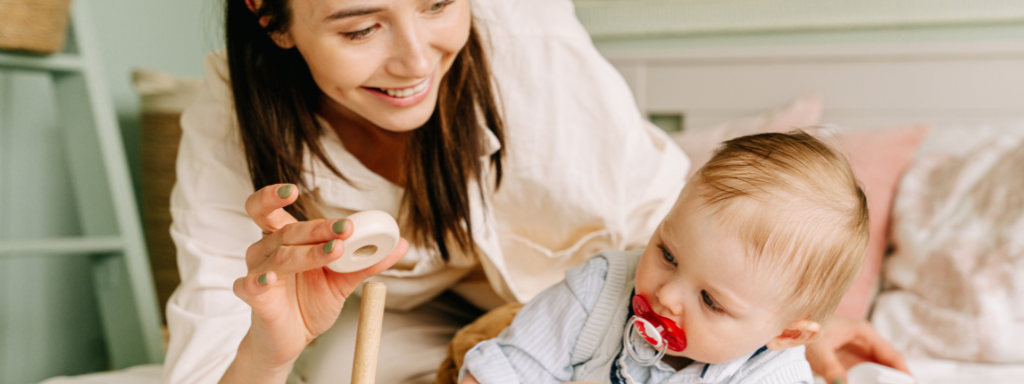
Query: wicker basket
x,y
38,26
163,99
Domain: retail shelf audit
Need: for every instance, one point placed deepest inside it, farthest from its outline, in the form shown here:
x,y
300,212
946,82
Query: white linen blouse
x,y
583,171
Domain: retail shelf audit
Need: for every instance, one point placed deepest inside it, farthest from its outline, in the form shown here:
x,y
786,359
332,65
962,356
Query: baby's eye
x,y
708,301
668,257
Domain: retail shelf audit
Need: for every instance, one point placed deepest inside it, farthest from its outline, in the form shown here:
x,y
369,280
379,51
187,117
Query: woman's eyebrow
x,y
350,12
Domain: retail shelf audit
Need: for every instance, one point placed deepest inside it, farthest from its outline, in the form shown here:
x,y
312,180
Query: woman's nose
x,y
410,58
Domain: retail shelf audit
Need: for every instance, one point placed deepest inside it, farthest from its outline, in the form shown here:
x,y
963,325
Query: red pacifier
x,y
659,331
656,329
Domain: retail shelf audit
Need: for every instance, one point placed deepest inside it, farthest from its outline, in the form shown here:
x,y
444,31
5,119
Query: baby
x,y
753,258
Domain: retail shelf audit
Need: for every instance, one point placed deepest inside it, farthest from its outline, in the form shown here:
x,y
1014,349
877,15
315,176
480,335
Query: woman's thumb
x,y
827,364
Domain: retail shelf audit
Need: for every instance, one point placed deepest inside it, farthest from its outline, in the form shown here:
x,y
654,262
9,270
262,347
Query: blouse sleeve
x,y
656,169
211,232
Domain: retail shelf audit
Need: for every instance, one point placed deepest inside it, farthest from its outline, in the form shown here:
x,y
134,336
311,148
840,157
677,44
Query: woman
x,y
329,107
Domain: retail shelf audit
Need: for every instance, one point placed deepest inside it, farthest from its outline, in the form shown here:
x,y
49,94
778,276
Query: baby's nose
x,y
672,303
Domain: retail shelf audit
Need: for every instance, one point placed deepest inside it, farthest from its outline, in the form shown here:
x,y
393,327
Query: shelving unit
x,y
112,236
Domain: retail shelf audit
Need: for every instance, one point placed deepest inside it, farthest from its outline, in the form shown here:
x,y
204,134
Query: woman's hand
x,y
294,297
846,342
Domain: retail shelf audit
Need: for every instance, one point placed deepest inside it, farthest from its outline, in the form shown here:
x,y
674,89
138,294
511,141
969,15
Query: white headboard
x,y
862,87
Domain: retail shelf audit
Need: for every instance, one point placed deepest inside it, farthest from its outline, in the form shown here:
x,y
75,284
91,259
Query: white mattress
x,y
926,371
929,371
934,371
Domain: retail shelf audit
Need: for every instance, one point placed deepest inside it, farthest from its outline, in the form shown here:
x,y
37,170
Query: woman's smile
x,y
404,96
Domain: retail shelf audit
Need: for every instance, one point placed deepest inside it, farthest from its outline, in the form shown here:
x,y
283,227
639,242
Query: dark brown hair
x,y
276,101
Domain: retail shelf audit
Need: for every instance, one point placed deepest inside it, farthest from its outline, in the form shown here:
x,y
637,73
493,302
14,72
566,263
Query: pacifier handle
x,y
643,326
628,343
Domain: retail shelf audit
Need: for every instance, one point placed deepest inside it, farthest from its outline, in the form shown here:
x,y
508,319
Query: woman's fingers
x,y
289,259
251,288
303,233
266,206
847,342
881,352
296,240
822,357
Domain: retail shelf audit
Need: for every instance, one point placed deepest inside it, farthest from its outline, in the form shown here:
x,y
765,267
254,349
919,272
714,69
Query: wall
x,y
663,30
48,322
702,24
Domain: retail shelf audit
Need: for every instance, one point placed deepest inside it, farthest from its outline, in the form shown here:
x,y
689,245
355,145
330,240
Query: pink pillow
x,y
699,144
878,158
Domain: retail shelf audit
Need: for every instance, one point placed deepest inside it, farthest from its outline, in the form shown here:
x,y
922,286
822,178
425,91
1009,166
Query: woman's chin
x,y
402,126
402,122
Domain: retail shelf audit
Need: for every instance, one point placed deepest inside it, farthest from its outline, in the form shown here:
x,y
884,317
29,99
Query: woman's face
x,y
379,61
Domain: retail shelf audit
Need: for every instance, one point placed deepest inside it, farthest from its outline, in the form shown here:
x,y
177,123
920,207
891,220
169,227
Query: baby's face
x,y
696,273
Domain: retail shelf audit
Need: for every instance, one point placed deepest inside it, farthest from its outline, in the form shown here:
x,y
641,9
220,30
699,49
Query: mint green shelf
x,y
60,62
112,234
66,246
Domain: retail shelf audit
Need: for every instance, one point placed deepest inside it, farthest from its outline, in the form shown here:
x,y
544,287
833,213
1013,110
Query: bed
x,y
973,98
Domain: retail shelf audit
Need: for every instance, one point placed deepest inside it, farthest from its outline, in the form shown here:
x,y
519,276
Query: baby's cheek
x,y
713,350
720,346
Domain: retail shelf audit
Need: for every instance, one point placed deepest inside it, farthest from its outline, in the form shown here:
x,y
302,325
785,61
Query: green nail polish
x,y
839,381
329,246
339,226
264,278
284,191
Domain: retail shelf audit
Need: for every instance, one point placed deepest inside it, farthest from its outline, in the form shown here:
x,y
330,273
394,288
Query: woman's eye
x,y
360,33
704,296
438,6
668,257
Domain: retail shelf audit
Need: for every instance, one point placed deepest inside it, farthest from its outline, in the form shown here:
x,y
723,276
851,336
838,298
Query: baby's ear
x,y
797,333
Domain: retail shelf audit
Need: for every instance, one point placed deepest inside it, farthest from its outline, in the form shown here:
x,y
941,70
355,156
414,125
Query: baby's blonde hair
x,y
796,204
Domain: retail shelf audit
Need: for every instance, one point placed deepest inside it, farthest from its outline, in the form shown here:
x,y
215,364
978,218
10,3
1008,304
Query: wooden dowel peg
x,y
371,316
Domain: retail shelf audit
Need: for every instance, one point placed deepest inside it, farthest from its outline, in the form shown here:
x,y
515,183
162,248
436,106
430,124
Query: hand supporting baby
x,y
846,342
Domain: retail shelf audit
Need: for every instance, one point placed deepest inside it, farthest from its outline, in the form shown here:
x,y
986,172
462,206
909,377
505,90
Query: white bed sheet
x,y
932,371
926,371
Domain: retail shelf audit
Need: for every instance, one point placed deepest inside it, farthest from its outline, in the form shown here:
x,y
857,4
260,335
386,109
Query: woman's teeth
x,y
405,92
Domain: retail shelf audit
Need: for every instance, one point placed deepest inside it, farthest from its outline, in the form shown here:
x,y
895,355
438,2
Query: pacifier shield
x,y
657,329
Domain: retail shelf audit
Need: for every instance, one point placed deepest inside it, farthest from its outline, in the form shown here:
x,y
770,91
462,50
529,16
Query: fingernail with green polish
x,y
839,381
284,191
264,278
339,226
329,246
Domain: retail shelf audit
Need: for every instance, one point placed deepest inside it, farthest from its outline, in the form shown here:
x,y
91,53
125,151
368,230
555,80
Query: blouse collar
x,y
365,189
